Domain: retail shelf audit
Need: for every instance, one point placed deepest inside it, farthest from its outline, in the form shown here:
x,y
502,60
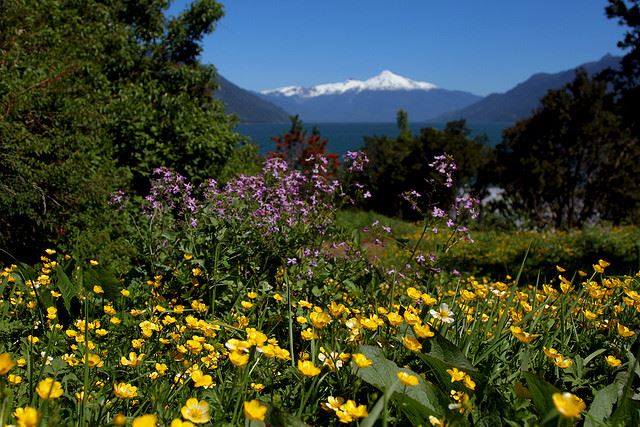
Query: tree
x,y
402,120
402,164
93,96
301,151
572,161
626,80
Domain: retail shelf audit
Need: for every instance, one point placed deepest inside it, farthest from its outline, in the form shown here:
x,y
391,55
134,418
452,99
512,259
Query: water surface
x,y
344,137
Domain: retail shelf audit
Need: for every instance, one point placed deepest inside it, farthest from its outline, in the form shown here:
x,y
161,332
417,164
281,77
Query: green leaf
x,y
99,276
66,288
278,417
626,414
377,409
602,405
447,352
417,402
541,392
445,355
593,355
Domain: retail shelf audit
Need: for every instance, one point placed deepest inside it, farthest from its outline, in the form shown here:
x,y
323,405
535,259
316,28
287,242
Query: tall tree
x,y
572,161
402,120
626,80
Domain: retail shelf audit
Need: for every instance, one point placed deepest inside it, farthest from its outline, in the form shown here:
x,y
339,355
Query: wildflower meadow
x,y
248,305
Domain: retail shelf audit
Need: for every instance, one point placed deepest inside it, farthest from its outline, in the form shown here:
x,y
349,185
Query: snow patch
x,y
386,80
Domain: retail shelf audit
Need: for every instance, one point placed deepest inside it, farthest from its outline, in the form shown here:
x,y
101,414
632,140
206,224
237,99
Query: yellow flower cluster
x,y
347,412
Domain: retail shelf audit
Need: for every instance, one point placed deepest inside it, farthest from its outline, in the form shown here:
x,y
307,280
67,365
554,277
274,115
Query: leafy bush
x,y
93,96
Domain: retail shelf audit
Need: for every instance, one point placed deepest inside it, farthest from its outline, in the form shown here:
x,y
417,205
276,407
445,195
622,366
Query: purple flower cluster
x,y
413,197
467,205
172,192
446,166
356,161
118,199
277,200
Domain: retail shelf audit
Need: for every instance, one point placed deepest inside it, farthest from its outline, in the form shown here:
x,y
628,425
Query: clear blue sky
x,y
482,46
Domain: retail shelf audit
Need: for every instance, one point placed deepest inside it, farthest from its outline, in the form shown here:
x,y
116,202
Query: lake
x,y
344,137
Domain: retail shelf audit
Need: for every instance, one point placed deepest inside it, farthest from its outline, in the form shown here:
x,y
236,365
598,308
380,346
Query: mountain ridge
x,y
521,100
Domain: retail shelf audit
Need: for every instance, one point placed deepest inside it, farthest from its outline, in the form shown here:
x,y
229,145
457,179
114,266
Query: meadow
x,y
263,302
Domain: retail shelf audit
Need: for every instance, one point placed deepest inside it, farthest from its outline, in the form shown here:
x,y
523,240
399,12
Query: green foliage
x,y
501,253
244,160
400,165
402,120
572,161
93,96
626,80
417,402
356,220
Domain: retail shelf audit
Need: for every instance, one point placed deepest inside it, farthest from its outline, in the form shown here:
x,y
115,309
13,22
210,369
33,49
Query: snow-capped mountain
x,y
386,80
376,99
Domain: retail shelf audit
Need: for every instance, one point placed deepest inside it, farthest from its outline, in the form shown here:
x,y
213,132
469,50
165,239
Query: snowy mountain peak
x,y
386,80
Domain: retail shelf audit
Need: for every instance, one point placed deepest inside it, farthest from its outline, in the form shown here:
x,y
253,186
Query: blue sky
x,y
481,46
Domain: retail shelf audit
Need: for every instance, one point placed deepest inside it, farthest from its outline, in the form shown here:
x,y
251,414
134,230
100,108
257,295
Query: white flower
x,y
443,314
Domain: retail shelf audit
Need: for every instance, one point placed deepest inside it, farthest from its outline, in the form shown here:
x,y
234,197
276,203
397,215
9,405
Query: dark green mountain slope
x,y
248,107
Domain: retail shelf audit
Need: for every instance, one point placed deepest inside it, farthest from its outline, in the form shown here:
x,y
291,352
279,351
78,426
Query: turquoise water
x,y
344,137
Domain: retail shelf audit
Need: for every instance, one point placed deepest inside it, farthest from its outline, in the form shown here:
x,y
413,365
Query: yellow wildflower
x,y
308,334
120,419
6,363
521,335
319,320
49,389
423,331
125,391
613,361
14,379
27,416
238,358
456,374
411,343
179,423
196,411
145,421
307,368
354,410
407,379
562,362
394,318
361,360
568,405
200,379
257,387
133,360
624,331
468,382
254,410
